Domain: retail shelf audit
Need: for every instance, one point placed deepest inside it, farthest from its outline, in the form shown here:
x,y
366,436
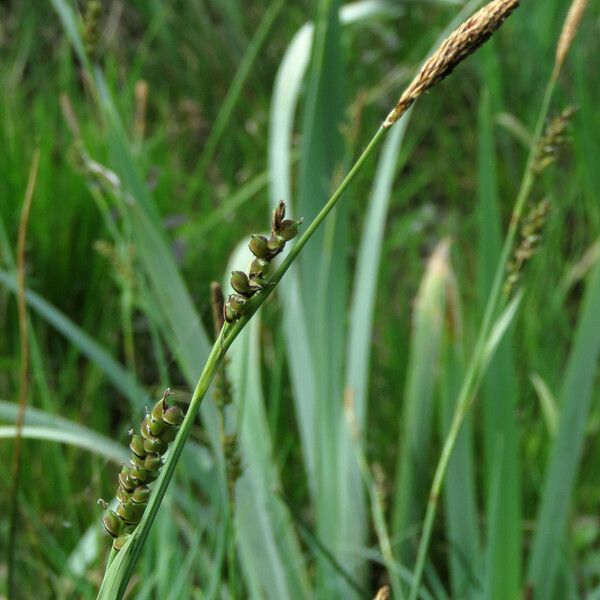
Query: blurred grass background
x,y
359,321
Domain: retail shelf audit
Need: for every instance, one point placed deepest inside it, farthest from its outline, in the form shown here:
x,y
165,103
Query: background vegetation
x,y
167,150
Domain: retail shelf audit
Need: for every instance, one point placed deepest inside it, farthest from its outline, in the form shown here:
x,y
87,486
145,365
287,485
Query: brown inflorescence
x,y
265,249
157,431
456,47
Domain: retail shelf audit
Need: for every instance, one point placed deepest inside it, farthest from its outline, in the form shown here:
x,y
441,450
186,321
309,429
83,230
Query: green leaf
x,y
499,391
575,396
84,438
461,516
412,474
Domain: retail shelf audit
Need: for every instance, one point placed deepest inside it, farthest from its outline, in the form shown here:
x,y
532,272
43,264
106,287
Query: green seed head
x,y
131,512
158,409
136,461
259,246
138,474
125,510
257,283
123,495
239,282
145,428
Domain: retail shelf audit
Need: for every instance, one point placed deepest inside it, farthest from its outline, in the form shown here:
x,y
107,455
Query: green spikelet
x,y
157,430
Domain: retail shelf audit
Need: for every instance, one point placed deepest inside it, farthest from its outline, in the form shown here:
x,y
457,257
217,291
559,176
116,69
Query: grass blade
x,y
499,393
417,414
576,395
462,529
84,438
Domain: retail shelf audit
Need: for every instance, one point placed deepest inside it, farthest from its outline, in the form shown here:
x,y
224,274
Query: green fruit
x,y
153,462
259,246
155,444
173,416
137,445
112,523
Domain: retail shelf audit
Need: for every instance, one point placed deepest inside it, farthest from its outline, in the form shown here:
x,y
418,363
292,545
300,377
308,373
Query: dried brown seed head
x,y
458,45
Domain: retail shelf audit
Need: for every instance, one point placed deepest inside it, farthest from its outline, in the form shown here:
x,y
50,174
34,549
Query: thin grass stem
x,y
23,375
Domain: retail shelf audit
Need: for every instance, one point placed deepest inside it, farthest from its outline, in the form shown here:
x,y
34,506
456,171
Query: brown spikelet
x,y
569,30
461,42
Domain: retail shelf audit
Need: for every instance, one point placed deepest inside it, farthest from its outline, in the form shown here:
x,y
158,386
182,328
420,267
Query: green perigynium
x,y
158,428
265,249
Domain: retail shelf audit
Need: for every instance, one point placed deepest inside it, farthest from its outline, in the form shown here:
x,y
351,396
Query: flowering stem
x,y
119,572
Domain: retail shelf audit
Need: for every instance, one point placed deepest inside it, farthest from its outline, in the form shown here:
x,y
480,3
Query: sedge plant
x,y
463,41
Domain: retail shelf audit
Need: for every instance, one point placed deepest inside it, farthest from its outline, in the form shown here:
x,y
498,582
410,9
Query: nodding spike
x,y
158,428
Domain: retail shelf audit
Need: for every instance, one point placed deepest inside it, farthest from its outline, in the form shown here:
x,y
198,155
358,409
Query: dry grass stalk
x,y
462,41
23,374
572,22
